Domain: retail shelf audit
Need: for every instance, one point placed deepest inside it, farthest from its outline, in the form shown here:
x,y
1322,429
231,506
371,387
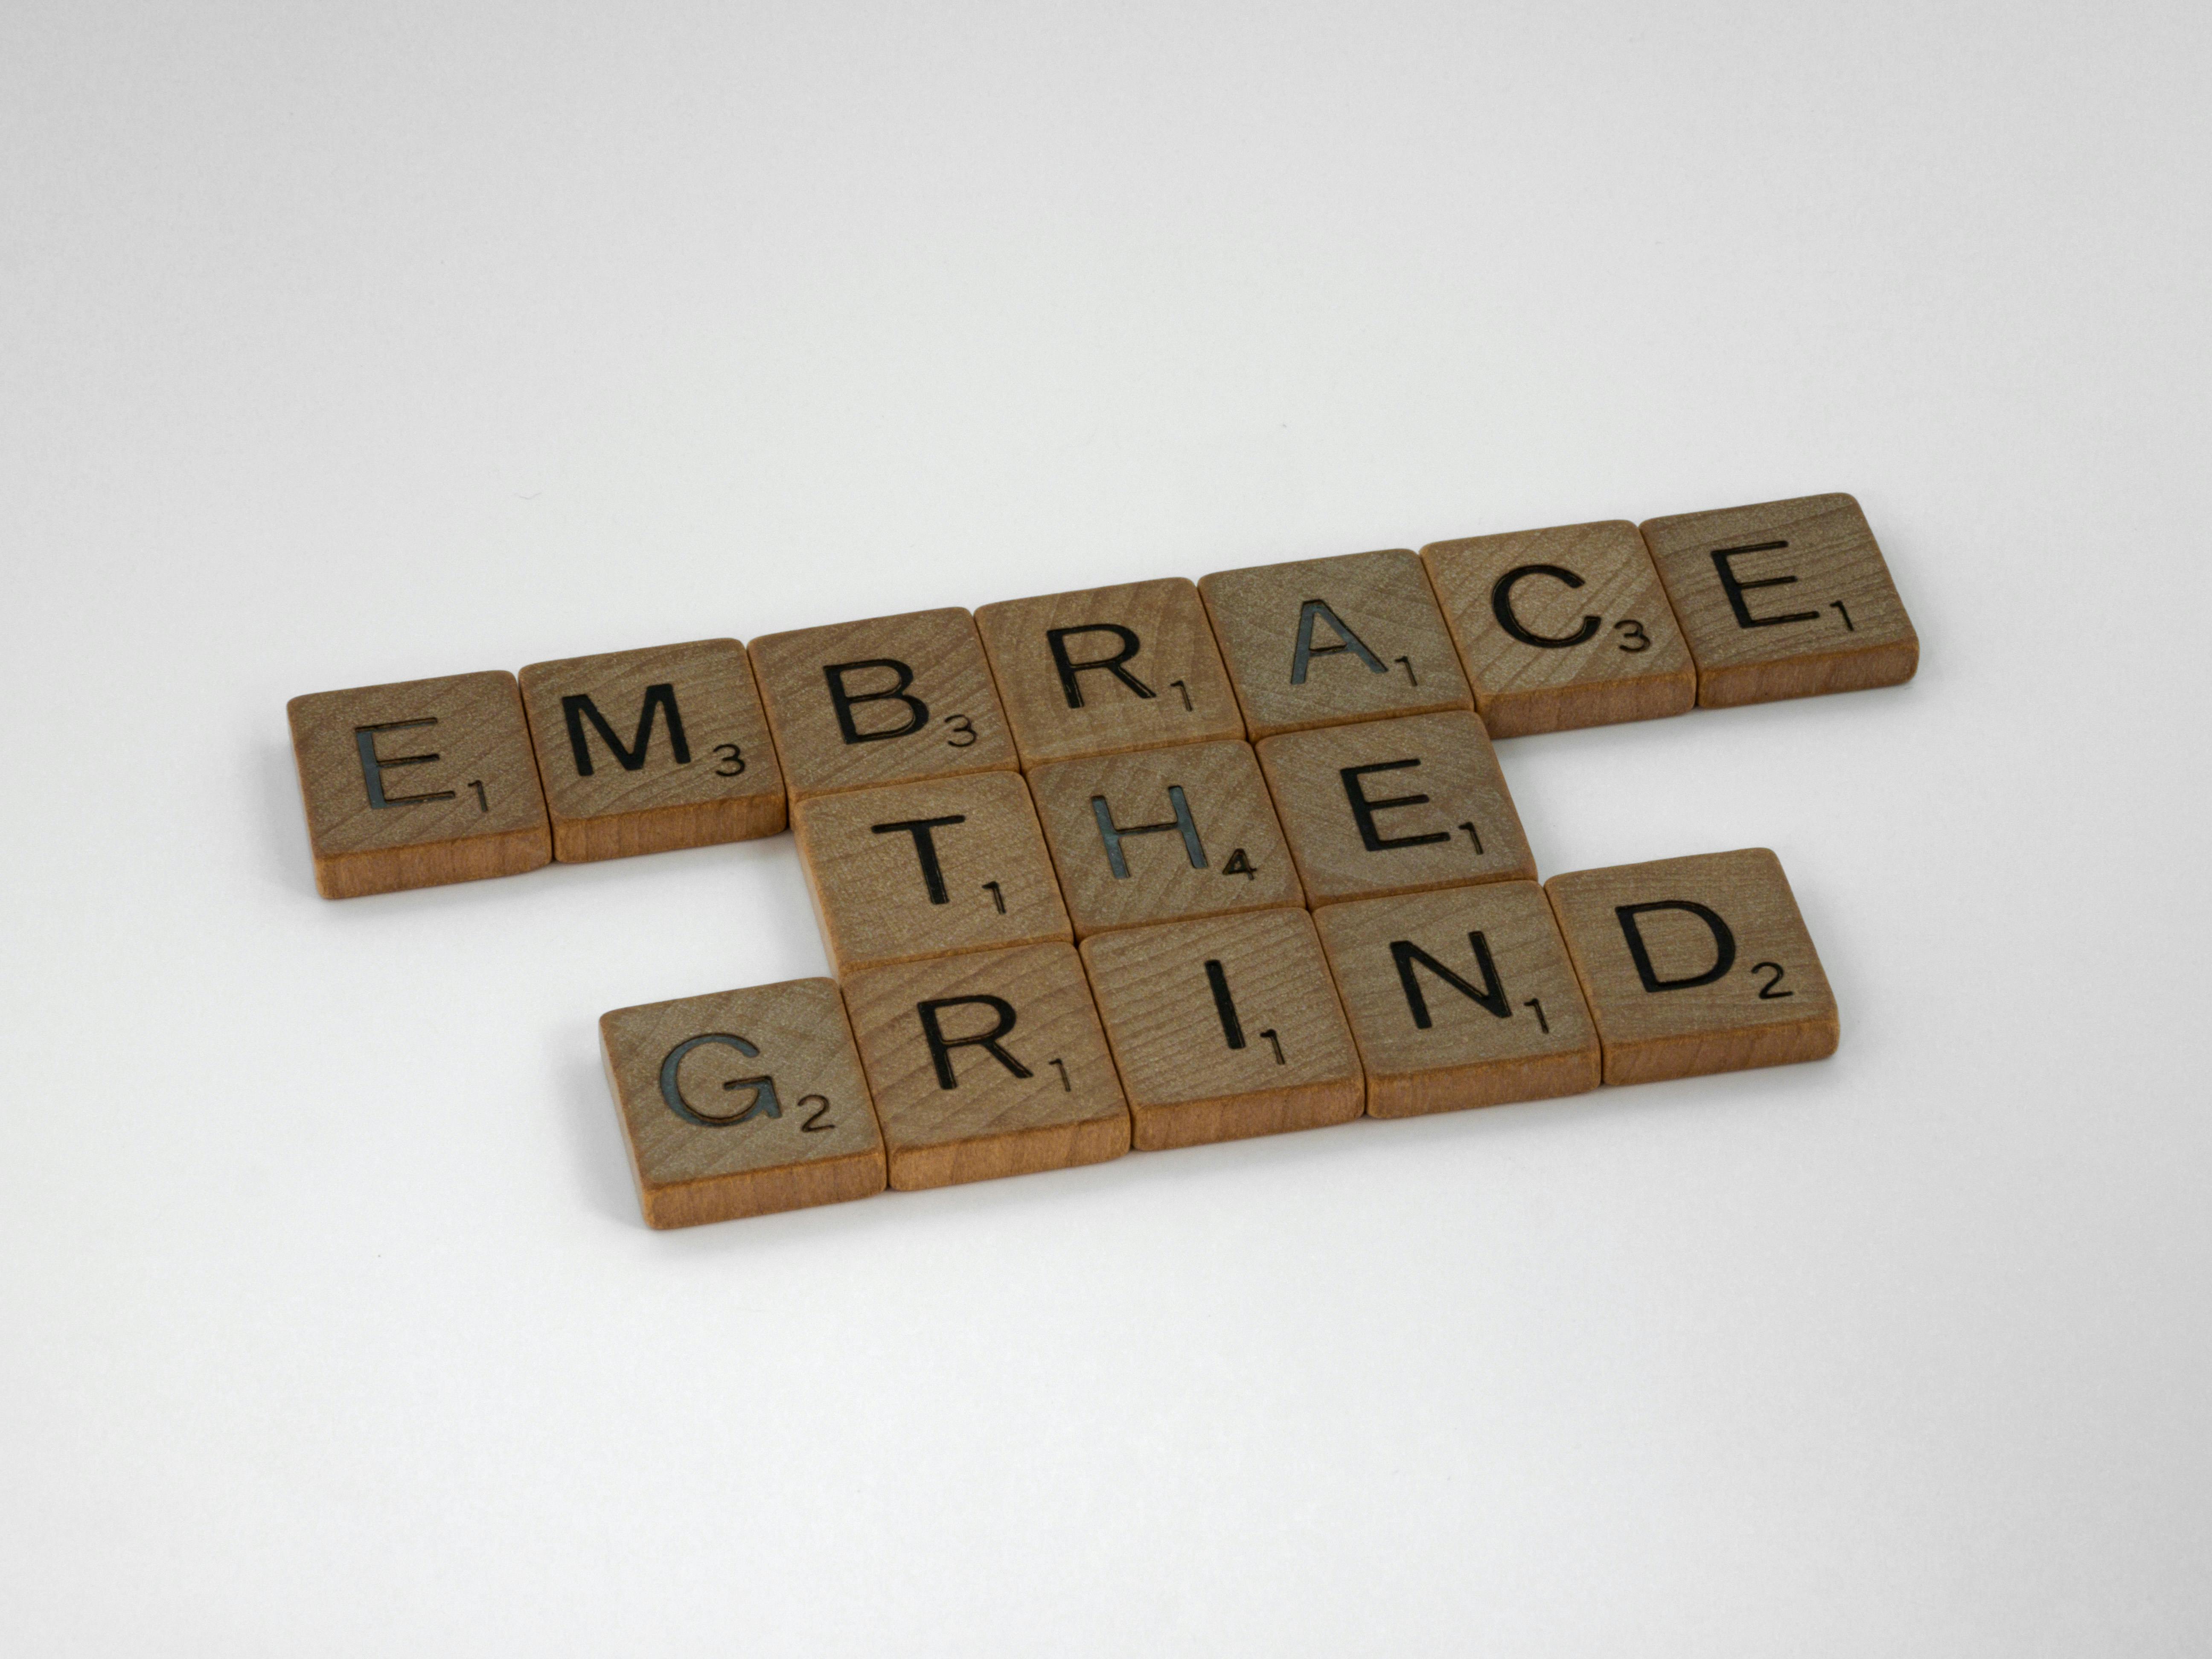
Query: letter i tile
x,y
1226,1027
1694,965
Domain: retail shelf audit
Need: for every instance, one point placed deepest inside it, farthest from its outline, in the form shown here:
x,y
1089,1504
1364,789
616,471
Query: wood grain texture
x,y
1736,986
1562,628
916,870
1515,1026
1357,615
715,1131
1046,1098
919,703
1108,670
1384,807
417,784
1256,1044
1232,859
1812,610
690,762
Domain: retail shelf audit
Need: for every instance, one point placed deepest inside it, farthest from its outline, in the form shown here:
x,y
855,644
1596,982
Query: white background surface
x,y
348,349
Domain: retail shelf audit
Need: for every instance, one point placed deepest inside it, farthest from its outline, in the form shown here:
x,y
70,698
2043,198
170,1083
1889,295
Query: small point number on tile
x,y
1276,1044
963,731
814,1125
1537,1003
482,805
1239,864
1635,639
1840,611
997,897
1185,690
1474,838
1061,1067
733,760
1767,991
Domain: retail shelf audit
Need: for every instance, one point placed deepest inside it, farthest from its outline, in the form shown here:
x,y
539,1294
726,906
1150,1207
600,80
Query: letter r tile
x,y
1694,965
645,752
987,1064
891,700
1396,806
1784,599
1108,670
1324,641
417,784
742,1102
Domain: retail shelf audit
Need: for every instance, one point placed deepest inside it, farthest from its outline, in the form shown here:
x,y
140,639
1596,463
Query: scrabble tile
x,y
645,752
1108,669
1163,835
1396,806
1784,599
891,700
1562,628
1463,996
1325,641
987,1064
742,1102
417,784
1695,965
1226,1027
916,870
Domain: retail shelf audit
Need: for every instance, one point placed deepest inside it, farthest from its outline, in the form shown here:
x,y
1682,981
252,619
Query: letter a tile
x,y
1695,965
417,784
987,1064
645,752
926,869
1784,599
1108,670
1460,998
892,700
1226,1027
1396,806
742,1102
1563,627
1324,641
1163,835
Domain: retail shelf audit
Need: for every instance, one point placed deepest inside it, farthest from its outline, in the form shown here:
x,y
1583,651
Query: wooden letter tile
x,y
1396,806
890,700
1162,834
645,752
1108,669
1226,1027
418,784
742,1102
1460,998
1563,627
1784,599
918,870
1324,641
1695,965
987,1064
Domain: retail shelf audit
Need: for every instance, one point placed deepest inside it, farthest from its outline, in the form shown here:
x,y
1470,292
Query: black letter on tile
x,y
925,849
1723,943
917,710
373,765
941,1046
1492,996
1363,809
658,699
1305,650
1057,638
1501,606
1736,588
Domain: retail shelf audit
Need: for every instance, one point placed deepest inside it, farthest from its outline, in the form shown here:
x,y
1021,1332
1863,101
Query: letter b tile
x,y
1396,806
890,700
1694,965
1784,599
742,1102
417,784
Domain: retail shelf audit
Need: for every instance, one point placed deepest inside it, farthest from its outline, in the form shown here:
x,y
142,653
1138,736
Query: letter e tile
x,y
417,784
1694,965
1784,599
742,1102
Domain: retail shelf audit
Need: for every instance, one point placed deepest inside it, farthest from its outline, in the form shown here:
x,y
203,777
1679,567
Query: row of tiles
x,y
472,775
1004,1063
